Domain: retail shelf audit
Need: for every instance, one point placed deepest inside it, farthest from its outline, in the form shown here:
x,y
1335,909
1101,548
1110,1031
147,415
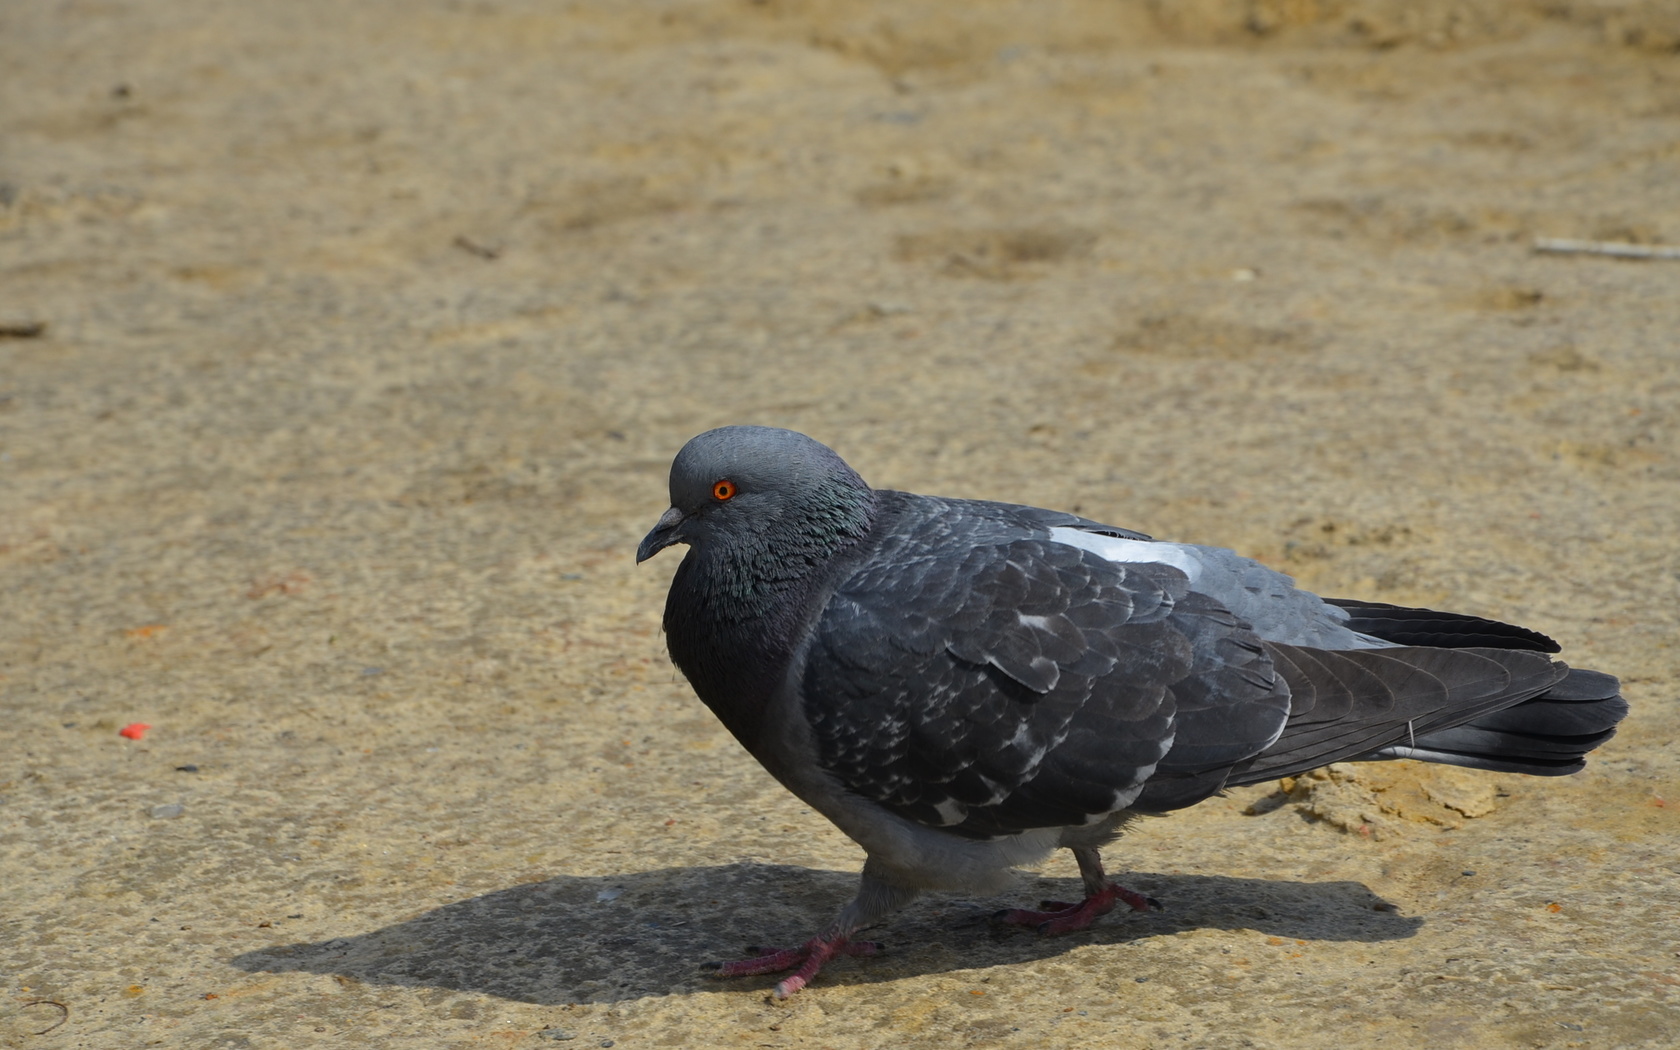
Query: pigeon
x,y
963,687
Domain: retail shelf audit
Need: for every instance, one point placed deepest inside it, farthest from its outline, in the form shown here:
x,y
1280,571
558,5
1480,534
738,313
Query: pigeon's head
x,y
761,490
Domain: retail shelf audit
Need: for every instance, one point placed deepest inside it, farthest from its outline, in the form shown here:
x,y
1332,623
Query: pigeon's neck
x,y
737,611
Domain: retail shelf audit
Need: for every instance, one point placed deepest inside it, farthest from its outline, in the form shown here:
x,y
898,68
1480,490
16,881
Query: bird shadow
x,y
608,939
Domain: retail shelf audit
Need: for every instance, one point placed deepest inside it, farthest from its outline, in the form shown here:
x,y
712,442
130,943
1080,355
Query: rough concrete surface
x,y
344,346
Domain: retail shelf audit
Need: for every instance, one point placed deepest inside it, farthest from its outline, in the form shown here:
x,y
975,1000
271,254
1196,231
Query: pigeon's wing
x,y
1356,703
1027,683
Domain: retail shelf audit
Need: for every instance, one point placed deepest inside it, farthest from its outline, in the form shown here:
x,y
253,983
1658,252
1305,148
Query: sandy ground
x,y
370,329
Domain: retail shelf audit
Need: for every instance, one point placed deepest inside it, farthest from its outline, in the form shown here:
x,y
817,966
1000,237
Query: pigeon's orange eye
x,y
723,490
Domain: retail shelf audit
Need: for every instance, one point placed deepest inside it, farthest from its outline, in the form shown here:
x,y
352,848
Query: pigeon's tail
x,y
1430,627
1506,709
1547,736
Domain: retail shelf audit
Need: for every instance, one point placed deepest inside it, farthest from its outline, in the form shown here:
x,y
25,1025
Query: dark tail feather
x,y
1349,705
1403,626
1549,735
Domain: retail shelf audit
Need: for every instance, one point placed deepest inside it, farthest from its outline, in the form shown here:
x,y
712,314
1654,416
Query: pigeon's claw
x,y
1061,917
808,957
770,962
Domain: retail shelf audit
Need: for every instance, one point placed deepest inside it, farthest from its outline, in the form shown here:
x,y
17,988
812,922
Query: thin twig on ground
x,y
1616,249
63,1017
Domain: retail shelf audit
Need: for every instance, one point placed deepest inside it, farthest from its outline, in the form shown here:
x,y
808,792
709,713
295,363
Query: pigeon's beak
x,y
663,535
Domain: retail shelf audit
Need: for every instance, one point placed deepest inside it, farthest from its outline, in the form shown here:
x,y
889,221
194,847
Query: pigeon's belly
x,y
932,859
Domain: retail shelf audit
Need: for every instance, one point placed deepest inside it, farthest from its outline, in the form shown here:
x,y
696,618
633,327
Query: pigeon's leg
x,y
877,898
1100,898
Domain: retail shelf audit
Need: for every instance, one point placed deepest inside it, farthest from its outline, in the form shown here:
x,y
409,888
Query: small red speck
x,y
134,730
1658,801
668,823
1554,907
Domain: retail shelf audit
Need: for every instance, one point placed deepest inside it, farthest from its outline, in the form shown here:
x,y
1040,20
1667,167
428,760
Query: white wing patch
x,y
1117,549
951,812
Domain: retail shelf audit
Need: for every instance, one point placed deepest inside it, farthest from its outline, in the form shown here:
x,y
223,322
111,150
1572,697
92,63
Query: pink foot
x,y
809,957
1062,917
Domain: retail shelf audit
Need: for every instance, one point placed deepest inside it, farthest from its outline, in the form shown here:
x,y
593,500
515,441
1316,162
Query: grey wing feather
x,y
1347,704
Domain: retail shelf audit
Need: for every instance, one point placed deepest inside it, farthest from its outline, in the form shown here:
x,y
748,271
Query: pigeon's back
x,y
988,669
